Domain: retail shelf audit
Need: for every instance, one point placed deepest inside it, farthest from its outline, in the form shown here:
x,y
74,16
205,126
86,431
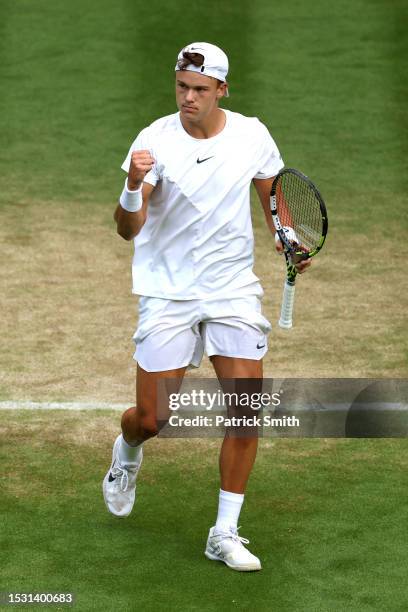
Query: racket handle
x,y
288,297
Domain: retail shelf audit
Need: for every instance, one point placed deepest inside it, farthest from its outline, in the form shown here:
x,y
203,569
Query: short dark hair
x,y
190,58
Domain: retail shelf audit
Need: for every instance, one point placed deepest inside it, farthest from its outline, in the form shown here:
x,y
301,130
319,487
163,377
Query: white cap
x,y
215,61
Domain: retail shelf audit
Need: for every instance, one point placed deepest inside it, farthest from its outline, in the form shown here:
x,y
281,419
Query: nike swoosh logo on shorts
x,y
259,347
200,161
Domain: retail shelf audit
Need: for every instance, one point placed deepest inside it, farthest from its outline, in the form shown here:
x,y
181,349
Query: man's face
x,y
197,94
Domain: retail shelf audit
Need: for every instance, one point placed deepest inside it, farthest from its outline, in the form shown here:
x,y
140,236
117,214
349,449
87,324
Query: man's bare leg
x,y
140,423
236,461
238,454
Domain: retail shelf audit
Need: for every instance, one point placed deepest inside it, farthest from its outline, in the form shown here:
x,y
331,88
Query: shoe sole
x,y
240,568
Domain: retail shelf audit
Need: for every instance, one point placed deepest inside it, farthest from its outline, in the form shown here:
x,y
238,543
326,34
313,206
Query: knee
x,y
138,424
129,418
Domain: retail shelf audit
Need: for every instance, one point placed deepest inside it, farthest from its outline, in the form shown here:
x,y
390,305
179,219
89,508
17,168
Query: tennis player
x,y
186,206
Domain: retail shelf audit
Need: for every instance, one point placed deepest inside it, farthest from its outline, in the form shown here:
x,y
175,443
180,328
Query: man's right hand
x,y
141,162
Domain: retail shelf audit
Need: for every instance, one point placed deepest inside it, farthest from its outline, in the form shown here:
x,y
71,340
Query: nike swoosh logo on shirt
x,y
200,161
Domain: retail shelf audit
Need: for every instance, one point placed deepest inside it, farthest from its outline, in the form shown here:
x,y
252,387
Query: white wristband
x,y
290,234
132,201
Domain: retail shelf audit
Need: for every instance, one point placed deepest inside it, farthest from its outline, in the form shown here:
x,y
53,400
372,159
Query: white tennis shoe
x,y
227,546
119,484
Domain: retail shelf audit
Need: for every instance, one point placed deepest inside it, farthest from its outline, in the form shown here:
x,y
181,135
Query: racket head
x,y
297,203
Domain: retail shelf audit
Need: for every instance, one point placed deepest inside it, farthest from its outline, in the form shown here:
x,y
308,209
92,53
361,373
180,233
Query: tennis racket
x,y
300,218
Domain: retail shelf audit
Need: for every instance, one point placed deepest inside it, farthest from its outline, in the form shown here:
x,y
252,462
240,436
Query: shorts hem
x,y
237,356
189,365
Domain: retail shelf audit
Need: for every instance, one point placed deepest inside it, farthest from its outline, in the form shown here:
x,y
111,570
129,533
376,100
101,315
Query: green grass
x,y
325,517
78,80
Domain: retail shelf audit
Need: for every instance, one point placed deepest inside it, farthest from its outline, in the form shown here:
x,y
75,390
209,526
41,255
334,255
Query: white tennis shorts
x,y
174,333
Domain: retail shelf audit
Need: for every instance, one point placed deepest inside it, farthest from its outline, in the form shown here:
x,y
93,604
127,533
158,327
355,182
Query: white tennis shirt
x,y
197,241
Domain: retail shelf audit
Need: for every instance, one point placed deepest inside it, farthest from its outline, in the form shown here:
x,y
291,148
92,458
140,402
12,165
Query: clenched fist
x,y
141,162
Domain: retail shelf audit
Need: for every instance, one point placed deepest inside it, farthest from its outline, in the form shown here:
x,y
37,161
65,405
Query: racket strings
x,y
299,208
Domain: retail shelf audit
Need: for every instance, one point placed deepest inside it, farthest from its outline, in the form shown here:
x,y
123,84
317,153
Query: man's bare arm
x,y
263,188
129,224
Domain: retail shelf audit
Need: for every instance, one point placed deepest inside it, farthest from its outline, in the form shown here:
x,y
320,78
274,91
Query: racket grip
x,y
288,297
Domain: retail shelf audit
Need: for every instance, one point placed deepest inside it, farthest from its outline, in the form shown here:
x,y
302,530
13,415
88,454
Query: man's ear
x,y
221,90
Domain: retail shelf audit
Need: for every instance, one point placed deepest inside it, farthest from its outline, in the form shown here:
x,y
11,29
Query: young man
x,y
186,205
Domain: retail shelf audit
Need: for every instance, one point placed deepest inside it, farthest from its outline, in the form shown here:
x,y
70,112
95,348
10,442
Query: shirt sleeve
x,y
270,161
143,142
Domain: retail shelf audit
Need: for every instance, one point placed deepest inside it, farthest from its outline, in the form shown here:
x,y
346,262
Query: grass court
x,y
78,81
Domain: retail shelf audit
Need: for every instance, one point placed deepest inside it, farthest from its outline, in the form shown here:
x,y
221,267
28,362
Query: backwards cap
x,y
215,61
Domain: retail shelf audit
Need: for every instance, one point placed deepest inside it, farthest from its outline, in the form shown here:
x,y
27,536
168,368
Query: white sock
x,y
128,455
229,507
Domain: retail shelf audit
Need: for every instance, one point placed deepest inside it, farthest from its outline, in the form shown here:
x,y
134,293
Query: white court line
x,y
24,405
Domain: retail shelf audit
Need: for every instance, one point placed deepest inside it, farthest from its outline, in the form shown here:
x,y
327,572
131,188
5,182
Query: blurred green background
x,y
80,79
